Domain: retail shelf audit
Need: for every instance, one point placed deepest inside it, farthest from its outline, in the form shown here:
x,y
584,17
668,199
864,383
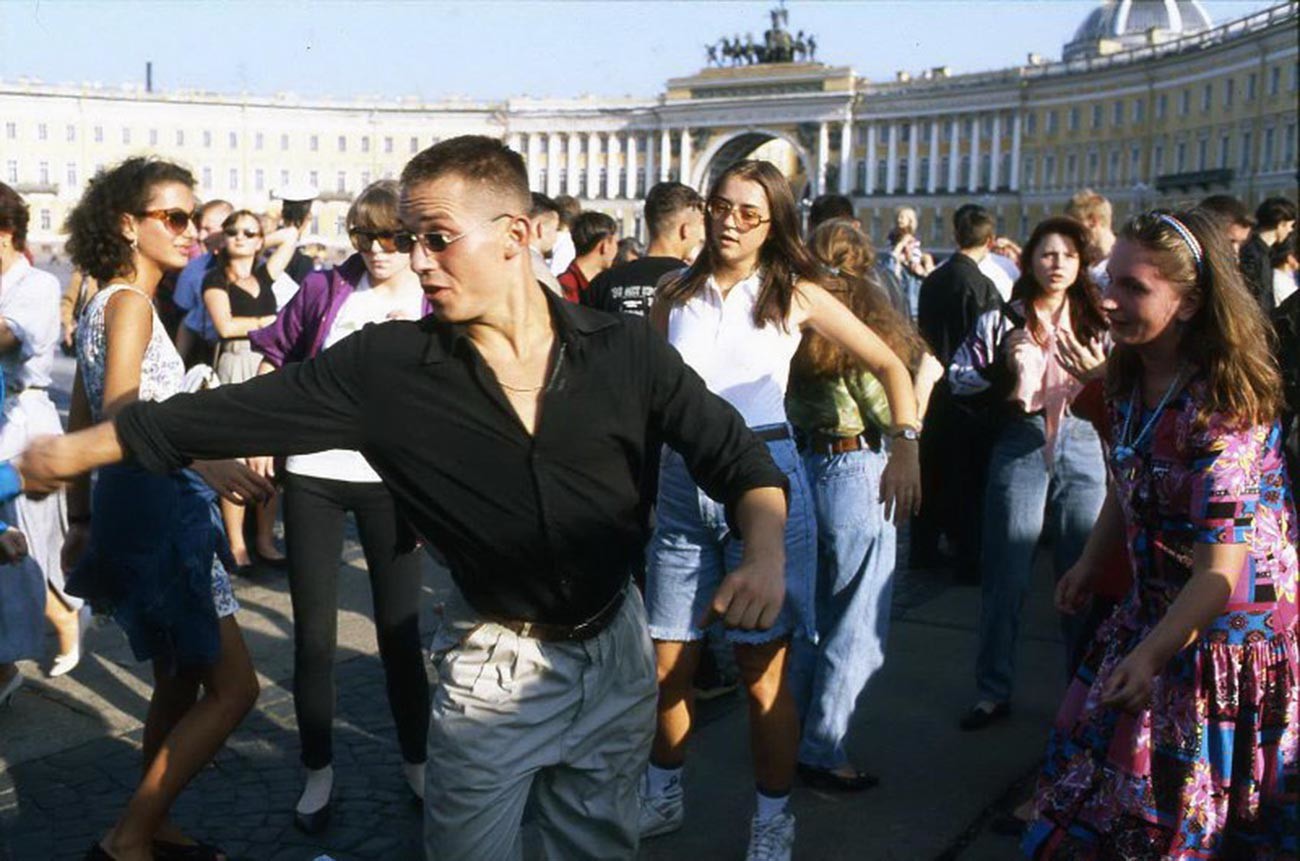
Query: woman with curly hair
x,y
1178,736
152,550
1046,470
841,415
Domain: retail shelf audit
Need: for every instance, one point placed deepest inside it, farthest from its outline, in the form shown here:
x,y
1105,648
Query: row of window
x,y
206,138
1137,107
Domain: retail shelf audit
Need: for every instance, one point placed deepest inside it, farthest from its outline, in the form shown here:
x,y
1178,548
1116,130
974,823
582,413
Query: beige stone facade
x,y
1167,122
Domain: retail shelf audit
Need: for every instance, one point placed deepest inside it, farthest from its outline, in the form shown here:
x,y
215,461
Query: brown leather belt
x,y
829,445
553,633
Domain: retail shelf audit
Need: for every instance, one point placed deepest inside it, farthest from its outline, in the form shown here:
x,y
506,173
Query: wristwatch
x,y
906,432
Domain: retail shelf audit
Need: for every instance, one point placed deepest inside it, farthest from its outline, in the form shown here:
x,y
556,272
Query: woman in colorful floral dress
x,y
1178,737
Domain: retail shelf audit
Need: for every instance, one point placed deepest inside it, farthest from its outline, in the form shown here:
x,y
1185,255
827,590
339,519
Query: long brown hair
x,y
847,257
783,258
1086,317
1228,339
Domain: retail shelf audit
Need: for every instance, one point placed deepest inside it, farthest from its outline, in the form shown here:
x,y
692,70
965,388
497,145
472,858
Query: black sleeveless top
x,y
241,303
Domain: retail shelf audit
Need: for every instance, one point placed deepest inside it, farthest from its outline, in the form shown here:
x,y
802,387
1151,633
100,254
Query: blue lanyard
x,y
1127,449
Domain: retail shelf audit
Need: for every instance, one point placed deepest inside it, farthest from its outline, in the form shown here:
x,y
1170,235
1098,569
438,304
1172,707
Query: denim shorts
x,y
692,549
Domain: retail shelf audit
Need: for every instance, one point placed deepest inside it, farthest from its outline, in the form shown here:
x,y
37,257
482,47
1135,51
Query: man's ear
x,y
518,235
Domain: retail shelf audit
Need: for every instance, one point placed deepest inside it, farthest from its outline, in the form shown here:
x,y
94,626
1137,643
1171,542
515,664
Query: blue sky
x,y
496,48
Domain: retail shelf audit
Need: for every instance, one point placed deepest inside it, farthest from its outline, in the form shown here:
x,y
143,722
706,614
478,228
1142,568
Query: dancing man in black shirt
x,y
510,427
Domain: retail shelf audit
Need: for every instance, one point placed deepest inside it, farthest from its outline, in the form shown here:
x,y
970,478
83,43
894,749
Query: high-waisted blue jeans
x,y
855,584
1022,498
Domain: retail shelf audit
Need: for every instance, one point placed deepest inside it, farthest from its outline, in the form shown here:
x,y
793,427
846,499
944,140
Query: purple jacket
x,y
301,326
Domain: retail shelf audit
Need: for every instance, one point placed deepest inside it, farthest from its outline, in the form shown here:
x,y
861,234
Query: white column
x,y
846,154
954,154
932,179
995,153
871,158
974,153
592,165
1014,179
517,142
612,152
891,165
651,175
629,182
573,186
665,155
823,157
552,164
684,169
534,158
913,166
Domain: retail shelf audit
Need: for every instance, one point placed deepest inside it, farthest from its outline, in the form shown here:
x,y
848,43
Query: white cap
x,y
298,191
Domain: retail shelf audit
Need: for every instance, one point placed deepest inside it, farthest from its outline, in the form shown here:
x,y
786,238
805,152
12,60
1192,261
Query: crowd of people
x,y
633,458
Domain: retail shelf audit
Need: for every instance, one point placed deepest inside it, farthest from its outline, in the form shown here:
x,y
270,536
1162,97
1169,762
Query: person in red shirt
x,y
595,241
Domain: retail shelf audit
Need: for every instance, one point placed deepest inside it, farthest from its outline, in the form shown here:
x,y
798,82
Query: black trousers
x,y
955,446
314,511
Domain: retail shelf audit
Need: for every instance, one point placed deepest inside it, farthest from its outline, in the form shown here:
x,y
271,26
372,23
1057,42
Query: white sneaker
x,y
771,839
661,814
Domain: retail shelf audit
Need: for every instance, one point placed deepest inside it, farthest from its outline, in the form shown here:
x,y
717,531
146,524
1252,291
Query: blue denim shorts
x,y
692,549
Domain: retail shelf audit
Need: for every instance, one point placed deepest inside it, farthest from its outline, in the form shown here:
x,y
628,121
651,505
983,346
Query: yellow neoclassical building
x,y
1151,104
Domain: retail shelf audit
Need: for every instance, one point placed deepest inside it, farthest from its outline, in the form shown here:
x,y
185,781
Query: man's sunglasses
x,y
437,241
232,232
177,220
364,240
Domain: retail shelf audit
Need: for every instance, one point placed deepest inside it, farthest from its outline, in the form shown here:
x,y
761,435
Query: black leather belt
x,y
584,630
776,433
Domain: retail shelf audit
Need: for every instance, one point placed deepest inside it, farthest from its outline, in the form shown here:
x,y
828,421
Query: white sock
x,y
414,772
659,780
316,792
770,807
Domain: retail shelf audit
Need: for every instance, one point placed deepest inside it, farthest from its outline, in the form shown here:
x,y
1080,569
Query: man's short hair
x,y
541,204
973,226
589,229
569,208
1229,210
1272,211
478,159
210,205
1087,206
665,203
828,206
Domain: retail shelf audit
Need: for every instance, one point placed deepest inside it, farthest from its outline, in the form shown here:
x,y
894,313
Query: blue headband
x,y
1186,235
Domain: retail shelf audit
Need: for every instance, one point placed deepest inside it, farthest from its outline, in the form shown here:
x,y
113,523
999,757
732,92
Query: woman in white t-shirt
x,y
737,316
320,489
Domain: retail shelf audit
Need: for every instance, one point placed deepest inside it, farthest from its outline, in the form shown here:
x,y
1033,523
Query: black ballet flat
x,y
164,850
315,822
825,778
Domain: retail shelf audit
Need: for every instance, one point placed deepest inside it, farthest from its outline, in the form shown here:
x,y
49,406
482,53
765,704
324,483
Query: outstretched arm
x,y
309,406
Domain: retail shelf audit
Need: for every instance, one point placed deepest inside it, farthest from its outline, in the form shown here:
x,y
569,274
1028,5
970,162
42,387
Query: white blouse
x,y
29,304
745,365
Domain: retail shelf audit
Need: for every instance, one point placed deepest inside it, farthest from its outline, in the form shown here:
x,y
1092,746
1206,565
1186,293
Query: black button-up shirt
x,y
540,528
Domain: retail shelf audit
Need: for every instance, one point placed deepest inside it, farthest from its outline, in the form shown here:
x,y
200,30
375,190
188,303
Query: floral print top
x,y
161,373
1217,485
